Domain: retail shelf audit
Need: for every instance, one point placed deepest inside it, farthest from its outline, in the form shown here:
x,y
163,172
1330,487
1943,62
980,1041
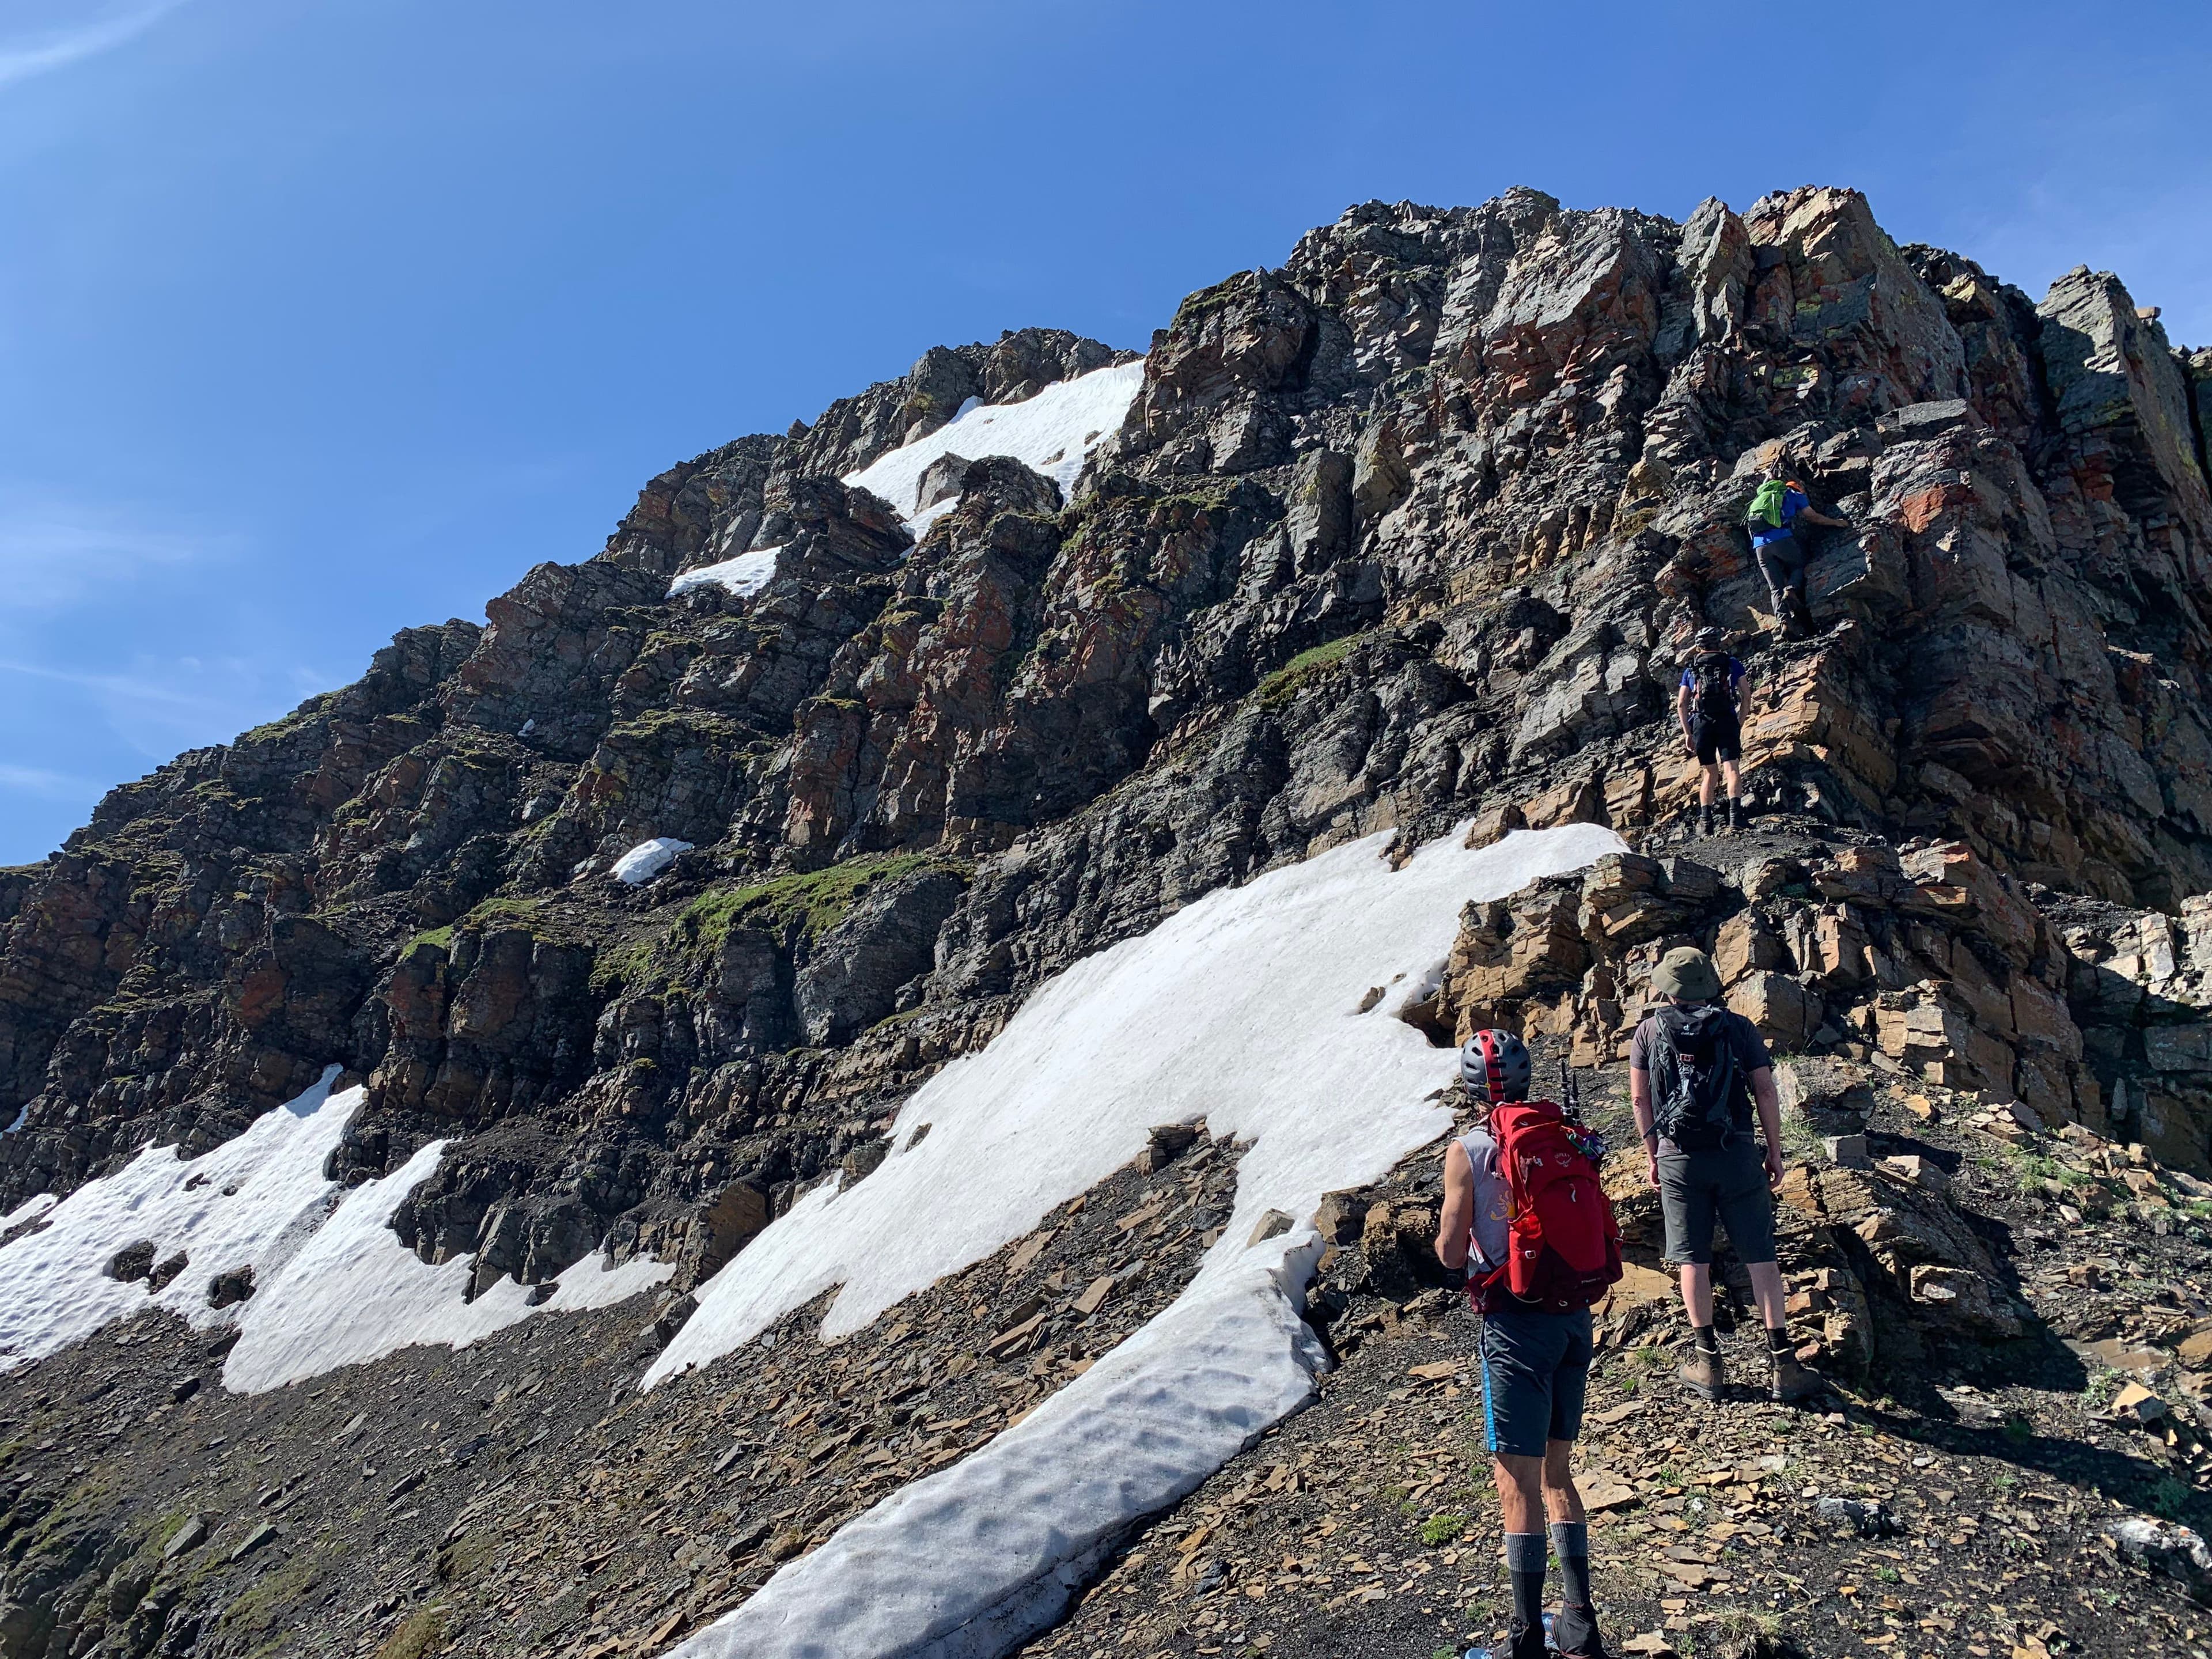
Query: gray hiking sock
x,y
1524,1564
1571,1543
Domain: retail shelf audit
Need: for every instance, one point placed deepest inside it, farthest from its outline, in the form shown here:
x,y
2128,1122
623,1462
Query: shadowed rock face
x,y
1411,529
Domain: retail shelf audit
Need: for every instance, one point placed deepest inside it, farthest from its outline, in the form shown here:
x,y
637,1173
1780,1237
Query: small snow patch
x,y
1053,432
648,859
745,576
354,1293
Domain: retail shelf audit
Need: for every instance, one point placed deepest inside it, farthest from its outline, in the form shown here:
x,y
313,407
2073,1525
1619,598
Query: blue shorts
x,y
1535,1368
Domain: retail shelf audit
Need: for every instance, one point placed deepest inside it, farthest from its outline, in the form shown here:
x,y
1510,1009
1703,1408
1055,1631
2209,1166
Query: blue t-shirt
x,y
1793,503
1736,676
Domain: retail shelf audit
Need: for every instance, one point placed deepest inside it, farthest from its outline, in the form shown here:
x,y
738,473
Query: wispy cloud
x,y
159,706
25,56
54,554
37,780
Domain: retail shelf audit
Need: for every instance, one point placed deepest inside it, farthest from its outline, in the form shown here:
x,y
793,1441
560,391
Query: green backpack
x,y
1766,507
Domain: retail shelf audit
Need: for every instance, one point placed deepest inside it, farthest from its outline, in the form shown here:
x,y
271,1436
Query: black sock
x,y
1524,1565
1571,1543
1704,1337
1777,1339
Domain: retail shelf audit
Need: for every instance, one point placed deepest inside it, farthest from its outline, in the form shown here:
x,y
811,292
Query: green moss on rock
x,y
815,901
1303,670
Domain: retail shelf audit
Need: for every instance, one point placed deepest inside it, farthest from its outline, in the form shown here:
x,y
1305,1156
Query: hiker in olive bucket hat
x,y
1694,1069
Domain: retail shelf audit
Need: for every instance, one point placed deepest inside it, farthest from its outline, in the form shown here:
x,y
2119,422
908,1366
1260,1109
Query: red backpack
x,y
1563,1248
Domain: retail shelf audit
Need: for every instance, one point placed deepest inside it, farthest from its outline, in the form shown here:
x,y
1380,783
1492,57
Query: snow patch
x,y
354,1293
1229,1011
29,1210
333,1284
745,576
647,859
1054,433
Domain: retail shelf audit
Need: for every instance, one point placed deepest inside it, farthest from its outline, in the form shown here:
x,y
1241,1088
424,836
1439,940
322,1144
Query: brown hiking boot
x,y
1794,1381
1701,1372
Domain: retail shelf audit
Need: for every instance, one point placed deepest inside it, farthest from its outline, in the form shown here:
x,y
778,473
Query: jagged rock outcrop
x,y
1411,530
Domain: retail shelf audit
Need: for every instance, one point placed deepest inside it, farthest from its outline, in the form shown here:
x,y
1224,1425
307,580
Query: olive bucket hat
x,y
1687,973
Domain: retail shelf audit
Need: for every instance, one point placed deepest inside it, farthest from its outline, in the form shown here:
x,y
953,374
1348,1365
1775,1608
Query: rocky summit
x,y
429,1117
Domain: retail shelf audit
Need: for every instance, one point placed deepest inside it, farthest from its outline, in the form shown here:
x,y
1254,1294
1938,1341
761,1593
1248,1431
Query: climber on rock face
x,y
1713,725
1695,1067
1771,519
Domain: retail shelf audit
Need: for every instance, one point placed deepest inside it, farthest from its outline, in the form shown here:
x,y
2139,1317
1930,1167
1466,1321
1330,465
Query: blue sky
x,y
321,318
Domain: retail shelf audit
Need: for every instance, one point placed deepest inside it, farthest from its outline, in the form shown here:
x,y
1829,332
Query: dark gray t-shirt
x,y
1738,1033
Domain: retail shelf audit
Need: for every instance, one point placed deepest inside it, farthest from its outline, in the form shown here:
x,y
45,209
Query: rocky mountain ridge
x,y
1408,533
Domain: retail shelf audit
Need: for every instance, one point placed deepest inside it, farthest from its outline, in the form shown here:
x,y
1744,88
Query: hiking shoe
x,y
1701,1372
1576,1631
1526,1642
1794,1381
1736,815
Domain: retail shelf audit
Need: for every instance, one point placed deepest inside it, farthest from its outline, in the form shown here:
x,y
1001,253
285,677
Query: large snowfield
x,y
1243,1010
333,1285
1052,433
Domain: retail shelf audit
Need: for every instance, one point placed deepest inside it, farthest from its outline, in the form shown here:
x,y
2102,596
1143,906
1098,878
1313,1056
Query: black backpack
x,y
1716,690
1696,1080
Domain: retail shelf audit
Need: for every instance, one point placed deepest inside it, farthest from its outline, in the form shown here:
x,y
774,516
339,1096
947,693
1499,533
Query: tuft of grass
x,y
814,901
466,1557
1744,1633
619,967
1303,670
1441,1529
423,1631
1799,1137
2170,1497
284,727
263,1609
528,914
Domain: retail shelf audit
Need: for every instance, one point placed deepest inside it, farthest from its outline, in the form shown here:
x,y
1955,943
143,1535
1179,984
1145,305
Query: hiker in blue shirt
x,y
1779,552
1712,724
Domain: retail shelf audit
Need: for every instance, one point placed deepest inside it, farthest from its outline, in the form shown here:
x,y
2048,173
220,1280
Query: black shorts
x,y
1535,1371
1729,1183
1716,739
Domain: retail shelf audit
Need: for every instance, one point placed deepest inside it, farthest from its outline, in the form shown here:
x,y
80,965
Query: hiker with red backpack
x,y
1713,725
1524,1214
1695,1067
1771,519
